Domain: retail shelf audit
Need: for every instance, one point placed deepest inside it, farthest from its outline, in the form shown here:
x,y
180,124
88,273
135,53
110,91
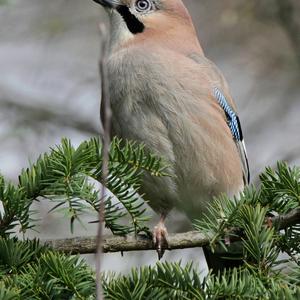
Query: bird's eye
x,y
143,5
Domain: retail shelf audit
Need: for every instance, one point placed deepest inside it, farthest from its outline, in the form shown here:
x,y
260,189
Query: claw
x,y
160,238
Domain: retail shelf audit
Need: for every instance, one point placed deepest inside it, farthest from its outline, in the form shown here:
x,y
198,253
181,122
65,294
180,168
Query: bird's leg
x,y
160,237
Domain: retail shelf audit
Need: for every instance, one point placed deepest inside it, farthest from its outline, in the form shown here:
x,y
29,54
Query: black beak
x,y
108,3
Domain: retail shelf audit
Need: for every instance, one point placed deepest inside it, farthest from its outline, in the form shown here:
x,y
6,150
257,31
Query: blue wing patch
x,y
232,118
234,124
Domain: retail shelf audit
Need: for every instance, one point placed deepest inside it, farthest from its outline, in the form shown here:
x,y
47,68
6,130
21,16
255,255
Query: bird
x,y
166,94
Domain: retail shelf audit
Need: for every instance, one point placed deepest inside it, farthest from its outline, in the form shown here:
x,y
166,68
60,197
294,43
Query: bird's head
x,y
133,20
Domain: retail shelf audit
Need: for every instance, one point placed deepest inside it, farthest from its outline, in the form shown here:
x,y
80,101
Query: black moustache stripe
x,y
133,24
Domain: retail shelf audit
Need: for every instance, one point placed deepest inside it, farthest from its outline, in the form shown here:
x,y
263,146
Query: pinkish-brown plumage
x,y
162,94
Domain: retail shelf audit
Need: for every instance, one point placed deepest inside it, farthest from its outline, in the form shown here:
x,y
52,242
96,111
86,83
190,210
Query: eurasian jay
x,y
166,94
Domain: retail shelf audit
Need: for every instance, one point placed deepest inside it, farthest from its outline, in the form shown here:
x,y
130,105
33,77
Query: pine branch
x,y
30,271
193,239
64,176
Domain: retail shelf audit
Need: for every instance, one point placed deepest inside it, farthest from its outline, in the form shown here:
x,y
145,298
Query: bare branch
x,y
29,113
85,245
288,220
193,239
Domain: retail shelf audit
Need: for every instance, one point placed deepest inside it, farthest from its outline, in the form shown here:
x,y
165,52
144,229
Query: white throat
x,y
119,33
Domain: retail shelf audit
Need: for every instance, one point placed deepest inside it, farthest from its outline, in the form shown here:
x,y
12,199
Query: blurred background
x,y
50,88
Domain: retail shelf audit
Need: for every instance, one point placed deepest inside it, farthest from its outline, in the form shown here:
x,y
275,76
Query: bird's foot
x,y
160,239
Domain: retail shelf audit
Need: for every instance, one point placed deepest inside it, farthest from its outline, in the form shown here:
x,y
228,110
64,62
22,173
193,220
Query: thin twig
x,y
106,111
193,239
